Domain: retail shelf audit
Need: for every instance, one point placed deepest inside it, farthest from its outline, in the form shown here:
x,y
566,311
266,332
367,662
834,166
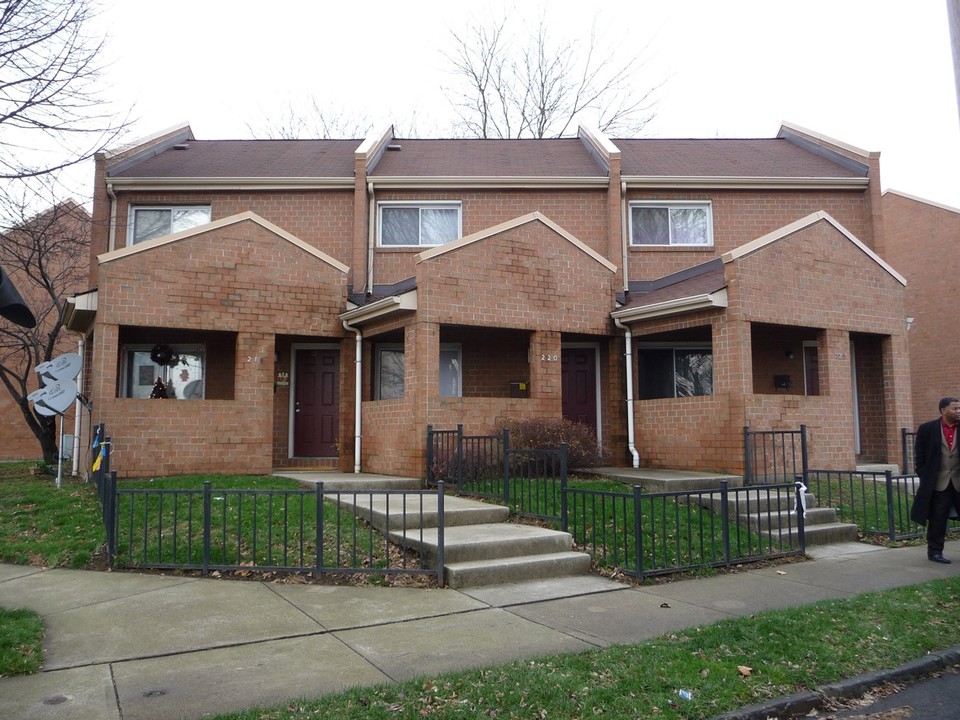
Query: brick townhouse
x,y
319,303
922,240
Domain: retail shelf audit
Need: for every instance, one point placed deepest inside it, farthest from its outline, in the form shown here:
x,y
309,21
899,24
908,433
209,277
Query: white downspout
x,y
77,412
627,334
358,372
631,446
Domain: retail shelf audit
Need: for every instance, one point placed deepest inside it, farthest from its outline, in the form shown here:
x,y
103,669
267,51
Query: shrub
x,y
547,433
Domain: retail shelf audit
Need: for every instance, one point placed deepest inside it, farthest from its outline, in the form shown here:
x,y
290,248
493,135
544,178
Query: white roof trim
x,y
822,139
745,183
677,306
509,225
915,198
216,225
796,226
394,303
231,183
488,181
153,137
80,311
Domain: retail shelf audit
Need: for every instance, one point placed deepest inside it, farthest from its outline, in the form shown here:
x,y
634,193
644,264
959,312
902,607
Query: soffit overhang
x,y
80,312
405,302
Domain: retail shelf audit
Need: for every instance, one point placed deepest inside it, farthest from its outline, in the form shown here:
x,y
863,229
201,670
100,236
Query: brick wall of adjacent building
x,y
922,244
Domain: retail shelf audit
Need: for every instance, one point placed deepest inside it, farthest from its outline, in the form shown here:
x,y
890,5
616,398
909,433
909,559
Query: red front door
x,y
316,411
578,370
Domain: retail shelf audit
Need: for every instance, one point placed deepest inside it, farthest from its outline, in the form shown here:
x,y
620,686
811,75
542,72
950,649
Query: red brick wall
x,y
240,278
740,216
921,243
321,218
803,280
583,213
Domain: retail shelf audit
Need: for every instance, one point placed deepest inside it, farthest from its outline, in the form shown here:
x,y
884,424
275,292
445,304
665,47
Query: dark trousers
x,y
940,505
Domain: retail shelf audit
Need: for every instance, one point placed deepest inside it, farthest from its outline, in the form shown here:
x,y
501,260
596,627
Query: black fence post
x,y
110,517
725,519
459,458
746,456
440,541
904,457
803,452
207,520
564,452
506,466
800,488
105,463
430,455
891,521
318,537
638,530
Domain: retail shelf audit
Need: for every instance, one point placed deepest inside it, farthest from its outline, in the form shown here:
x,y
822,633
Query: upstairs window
x,y
150,222
413,225
671,224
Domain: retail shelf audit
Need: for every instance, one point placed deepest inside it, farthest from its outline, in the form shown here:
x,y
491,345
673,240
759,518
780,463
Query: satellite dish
x,y
65,367
36,397
59,396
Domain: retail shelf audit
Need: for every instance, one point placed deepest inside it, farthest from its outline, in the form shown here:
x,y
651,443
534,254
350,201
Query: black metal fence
x,y
877,502
292,530
772,456
646,534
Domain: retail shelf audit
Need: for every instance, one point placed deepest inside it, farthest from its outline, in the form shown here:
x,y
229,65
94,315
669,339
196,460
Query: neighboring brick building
x,y
923,240
55,244
329,299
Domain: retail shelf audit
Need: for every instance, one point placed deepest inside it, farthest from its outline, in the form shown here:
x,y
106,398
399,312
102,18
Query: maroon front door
x,y
316,409
578,370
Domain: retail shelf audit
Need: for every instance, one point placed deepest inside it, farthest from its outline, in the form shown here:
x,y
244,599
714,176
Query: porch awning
x,y
81,311
703,290
386,306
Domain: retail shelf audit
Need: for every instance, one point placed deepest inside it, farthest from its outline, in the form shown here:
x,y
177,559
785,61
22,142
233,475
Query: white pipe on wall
x,y
631,445
358,365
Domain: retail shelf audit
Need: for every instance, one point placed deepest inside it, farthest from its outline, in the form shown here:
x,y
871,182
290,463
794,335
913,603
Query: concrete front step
x,y
388,512
825,534
340,481
492,541
516,569
774,520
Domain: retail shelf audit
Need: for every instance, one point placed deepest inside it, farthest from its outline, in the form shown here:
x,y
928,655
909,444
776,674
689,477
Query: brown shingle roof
x,y
565,157
725,158
250,158
701,280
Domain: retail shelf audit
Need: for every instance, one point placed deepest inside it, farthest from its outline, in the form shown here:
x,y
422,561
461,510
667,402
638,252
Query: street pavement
x,y
130,646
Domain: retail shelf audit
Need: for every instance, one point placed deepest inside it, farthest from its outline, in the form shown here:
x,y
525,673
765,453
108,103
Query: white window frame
x,y
134,209
420,206
670,206
165,373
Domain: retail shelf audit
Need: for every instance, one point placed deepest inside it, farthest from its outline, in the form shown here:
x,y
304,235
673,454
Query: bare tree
x,y
47,256
539,86
314,120
52,114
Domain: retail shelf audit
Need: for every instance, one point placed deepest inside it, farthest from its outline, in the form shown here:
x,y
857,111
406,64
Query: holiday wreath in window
x,y
164,356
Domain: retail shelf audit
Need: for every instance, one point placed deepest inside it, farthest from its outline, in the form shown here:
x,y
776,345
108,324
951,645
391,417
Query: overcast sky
x,y
876,74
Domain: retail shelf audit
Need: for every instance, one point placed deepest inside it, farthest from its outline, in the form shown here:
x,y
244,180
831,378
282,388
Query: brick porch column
x,y
545,367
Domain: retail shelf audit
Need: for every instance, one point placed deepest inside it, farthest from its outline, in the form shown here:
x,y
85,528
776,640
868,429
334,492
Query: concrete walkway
x,y
136,647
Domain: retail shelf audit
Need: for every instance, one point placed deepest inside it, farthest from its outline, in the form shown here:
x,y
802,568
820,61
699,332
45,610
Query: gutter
x,y
628,355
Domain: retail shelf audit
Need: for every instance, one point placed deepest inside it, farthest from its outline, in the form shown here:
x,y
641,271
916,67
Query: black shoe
x,y
938,558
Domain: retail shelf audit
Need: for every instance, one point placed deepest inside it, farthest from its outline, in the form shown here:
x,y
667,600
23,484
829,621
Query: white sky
x,y
876,74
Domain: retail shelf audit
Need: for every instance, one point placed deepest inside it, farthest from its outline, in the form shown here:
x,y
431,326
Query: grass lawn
x,y
724,666
21,642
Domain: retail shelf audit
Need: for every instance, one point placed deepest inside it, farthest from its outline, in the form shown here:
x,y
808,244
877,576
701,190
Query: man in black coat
x,y
937,464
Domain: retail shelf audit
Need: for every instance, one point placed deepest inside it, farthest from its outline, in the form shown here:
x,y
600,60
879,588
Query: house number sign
x,y
546,357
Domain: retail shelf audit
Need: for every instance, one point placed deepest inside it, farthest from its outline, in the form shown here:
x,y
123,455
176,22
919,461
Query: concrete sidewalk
x,y
138,647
